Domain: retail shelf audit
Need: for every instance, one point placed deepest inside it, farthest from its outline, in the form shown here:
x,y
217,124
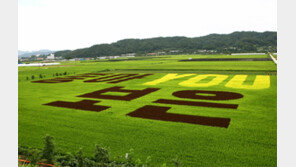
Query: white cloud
x,y
72,24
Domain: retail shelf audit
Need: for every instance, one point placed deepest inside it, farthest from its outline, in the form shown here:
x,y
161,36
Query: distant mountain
x,y
20,52
30,53
236,42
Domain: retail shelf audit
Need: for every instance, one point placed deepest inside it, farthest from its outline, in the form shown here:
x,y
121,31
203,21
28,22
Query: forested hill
x,y
213,43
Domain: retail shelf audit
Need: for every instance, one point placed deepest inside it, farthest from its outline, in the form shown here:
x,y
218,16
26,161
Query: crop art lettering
x,y
134,77
260,82
159,110
81,105
207,95
195,81
166,78
160,113
132,94
89,104
208,80
108,78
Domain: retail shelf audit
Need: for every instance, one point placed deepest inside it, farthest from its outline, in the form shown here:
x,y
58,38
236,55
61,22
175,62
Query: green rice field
x,y
250,138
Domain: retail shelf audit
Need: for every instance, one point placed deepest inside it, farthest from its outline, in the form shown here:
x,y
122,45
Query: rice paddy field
x,y
208,113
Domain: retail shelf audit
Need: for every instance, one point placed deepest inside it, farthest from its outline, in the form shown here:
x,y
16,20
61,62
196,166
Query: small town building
x,y
50,57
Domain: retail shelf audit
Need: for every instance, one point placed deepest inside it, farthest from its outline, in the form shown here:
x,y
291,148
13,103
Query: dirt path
x,y
274,60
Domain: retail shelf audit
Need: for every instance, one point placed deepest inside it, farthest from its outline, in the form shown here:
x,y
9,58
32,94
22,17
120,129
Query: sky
x,y
73,24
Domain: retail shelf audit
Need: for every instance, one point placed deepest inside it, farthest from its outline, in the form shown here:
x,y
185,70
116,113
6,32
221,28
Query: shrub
x,y
48,151
79,158
65,160
34,156
89,163
101,154
32,77
40,76
23,151
129,158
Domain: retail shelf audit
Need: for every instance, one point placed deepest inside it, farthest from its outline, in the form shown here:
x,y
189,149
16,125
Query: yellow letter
x,y
167,78
261,82
192,82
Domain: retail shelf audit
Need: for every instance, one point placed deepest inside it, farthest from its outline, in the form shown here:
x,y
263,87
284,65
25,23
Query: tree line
x,y
50,156
236,42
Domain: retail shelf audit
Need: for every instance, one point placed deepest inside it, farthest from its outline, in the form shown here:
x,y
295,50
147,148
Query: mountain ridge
x,y
30,53
236,42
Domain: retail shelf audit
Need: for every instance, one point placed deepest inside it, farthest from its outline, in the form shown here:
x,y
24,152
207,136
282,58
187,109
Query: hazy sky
x,y
73,24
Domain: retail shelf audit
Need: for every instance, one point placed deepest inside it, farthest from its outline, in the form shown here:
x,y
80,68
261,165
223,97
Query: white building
x,y
128,55
237,54
50,57
101,58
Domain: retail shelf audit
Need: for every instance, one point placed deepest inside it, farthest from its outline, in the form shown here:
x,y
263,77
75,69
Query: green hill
x,y
235,42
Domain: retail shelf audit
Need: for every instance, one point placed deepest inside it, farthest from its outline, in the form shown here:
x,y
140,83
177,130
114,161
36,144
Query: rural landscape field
x,y
206,113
